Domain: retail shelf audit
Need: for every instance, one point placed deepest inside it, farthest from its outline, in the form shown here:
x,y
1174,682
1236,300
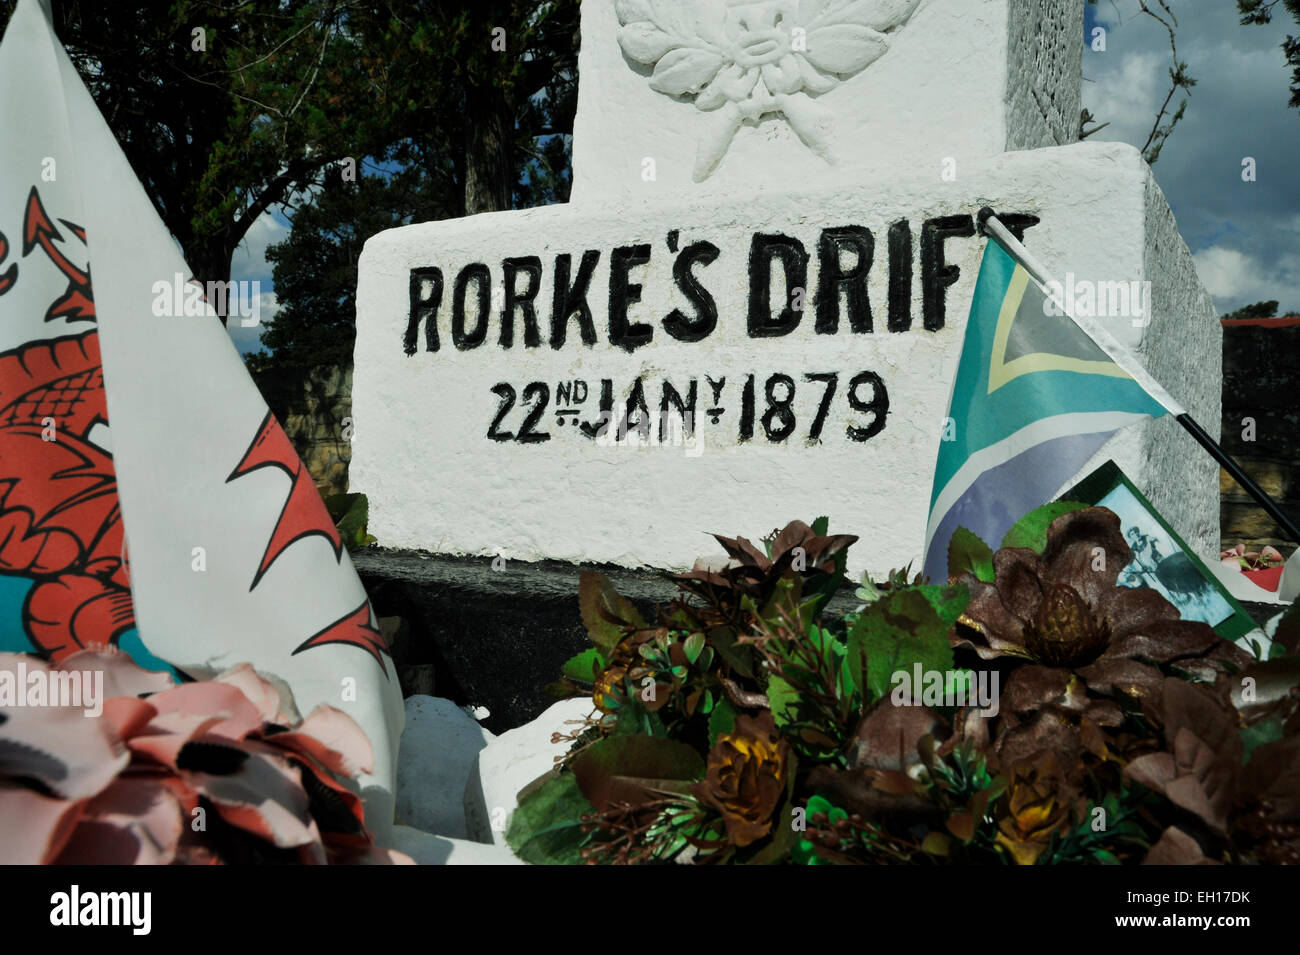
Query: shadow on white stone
x,y
428,849
439,745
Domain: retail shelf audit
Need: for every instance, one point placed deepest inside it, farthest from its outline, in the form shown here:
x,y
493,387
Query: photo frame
x,y
1162,560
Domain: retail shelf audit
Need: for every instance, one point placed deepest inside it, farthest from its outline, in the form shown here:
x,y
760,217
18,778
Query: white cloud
x,y
1235,278
1227,273
1126,95
249,260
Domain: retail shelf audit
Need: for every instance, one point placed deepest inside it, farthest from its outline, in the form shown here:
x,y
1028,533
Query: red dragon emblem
x,y
60,523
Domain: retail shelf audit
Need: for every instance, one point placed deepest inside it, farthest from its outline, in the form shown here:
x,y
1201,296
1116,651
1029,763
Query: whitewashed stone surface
x,y
900,83
438,747
512,761
435,481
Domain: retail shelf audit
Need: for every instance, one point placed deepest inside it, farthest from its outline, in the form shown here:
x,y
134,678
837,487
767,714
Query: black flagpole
x,y
1196,431
1240,476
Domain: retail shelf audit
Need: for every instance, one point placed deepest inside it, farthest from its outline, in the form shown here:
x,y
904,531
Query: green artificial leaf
x,y
738,656
546,828
967,554
605,612
629,768
721,721
584,667
948,602
634,720
693,646
898,631
350,513
784,700
936,844
821,525
868,592
1031,530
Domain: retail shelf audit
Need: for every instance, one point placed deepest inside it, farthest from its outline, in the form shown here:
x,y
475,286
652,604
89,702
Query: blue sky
x,y
1245,237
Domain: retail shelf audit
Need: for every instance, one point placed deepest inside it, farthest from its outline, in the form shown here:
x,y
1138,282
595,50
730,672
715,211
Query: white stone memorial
x,y
752,309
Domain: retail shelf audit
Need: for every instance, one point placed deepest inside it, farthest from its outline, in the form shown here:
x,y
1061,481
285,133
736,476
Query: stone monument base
x,y
484,359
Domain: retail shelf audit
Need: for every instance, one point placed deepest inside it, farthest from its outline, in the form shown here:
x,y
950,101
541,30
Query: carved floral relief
x,y
742,60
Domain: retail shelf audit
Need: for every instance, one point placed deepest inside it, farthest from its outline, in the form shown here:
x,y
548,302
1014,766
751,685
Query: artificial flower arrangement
x,y
216,771
1262,567
1027,711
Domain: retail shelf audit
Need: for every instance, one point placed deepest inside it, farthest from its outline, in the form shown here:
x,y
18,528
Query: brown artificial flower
x,y
746,779
751,573
1037,804
612,682
1199,767
608,686
1064,610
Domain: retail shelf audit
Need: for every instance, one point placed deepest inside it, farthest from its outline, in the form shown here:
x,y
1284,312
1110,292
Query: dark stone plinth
x,y
493,638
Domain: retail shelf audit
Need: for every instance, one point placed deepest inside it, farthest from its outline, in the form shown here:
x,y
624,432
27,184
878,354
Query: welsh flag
x,y
148,498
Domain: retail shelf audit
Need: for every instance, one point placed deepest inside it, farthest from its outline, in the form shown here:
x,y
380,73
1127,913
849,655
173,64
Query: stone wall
x,y
312,405
1260,378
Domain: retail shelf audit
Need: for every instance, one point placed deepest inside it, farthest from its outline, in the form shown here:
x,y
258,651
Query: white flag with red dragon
x,y
148,498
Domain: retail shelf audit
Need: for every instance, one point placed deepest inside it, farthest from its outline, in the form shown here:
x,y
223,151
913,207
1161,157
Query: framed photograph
x,y
1161,559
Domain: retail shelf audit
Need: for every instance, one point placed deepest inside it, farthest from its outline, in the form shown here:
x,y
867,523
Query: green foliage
x,y
630,768
725,711
585,666
605,612
546,828
1031,530
902,629
1085,845
350,513
1258,310
968,554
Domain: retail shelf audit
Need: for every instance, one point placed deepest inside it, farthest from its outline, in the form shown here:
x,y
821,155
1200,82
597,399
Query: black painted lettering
x,y
623,293
521,301
900,276
1018,222
425,299
685,409
794,261
636,411
834,282
481,276
936,275
605,416
677,324
569,300
877,407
